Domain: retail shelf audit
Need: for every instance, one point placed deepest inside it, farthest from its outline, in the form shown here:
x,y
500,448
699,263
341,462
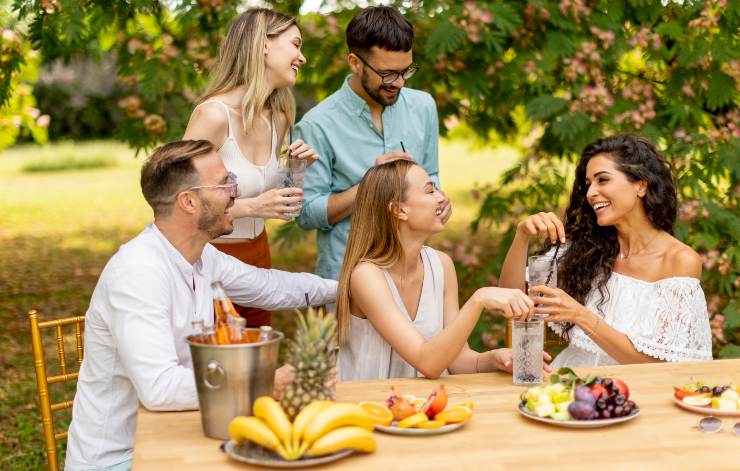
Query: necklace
x,y
622,256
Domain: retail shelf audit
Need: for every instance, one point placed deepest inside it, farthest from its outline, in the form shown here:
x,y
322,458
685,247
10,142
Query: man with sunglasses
x,y
151,291
372,119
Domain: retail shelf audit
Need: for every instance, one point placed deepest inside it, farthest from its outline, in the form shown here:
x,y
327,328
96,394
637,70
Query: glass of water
x,y
291,173
541,270
528,345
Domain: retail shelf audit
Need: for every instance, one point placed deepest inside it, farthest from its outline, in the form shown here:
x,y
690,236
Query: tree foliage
x,y
548,76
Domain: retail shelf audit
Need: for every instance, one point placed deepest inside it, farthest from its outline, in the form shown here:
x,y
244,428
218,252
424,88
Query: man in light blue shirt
x,y
372,119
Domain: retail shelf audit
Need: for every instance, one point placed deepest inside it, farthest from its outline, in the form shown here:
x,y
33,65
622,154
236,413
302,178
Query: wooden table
x,y
497,437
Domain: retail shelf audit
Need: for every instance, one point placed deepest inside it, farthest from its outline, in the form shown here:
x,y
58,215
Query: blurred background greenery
x,y
521,86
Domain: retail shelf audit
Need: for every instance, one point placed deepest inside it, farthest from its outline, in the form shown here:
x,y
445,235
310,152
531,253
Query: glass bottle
x,y
265,333
223,309
199,330
236,329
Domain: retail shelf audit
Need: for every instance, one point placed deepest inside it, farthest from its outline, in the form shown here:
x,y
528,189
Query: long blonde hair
x,y
373,235
241,61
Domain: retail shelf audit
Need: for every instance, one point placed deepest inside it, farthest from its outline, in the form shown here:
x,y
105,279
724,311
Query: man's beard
x,y
375,93
209,222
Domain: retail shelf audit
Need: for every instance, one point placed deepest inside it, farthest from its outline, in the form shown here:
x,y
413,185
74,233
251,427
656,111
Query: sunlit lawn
x,y
58,229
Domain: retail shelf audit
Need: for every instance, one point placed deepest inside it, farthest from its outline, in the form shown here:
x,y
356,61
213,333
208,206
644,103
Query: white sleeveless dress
x,y
367,355
253,179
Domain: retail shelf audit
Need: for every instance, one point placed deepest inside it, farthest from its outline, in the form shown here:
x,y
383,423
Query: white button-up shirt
x,y
139,315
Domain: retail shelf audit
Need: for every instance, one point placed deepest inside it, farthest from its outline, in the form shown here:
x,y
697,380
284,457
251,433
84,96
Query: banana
x,y
336,415
253,429
305,417
267,409
345,437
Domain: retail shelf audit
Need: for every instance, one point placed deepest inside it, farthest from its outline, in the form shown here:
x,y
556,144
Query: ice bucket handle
x,y
214,375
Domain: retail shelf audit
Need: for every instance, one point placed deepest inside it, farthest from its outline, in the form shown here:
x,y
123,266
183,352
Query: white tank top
x,y
367,355
253,179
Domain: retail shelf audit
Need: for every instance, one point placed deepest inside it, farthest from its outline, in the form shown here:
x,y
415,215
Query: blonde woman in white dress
x,y
246,112
628,291
397,303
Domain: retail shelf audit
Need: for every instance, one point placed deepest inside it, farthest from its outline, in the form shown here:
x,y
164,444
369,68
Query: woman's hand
x,y
512,303
273,204
558,305
503,360
542,225
301,150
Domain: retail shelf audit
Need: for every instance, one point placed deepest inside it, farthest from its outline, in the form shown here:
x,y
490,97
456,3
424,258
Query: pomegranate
x,y
436,402
399,405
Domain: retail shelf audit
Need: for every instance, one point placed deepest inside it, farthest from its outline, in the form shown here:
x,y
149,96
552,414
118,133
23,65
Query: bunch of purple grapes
x,y
603,400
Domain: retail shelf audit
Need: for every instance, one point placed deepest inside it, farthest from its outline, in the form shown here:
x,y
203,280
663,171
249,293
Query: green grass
x,y
59,229
64,163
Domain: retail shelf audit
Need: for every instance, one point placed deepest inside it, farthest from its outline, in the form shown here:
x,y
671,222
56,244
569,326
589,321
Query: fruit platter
x,y
323,431
571,401
707,399
404,414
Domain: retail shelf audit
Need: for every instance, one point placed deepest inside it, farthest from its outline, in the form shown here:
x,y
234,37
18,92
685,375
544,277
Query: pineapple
x,y
312,352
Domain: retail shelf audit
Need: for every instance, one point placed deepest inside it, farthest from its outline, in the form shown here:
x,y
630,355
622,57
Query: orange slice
x,y
431,424
468,404
413,420
380,414
454,415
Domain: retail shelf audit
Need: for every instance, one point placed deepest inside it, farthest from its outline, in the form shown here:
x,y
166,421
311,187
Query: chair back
x,y
43,380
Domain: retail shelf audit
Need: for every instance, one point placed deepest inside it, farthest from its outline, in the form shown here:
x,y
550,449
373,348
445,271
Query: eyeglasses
x,y
232,186
389,77
713,424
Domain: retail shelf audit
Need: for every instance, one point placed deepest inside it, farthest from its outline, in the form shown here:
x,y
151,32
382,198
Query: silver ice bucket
x,y
230,377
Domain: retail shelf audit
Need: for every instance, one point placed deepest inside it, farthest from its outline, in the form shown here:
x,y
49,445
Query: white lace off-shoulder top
x,y
665,319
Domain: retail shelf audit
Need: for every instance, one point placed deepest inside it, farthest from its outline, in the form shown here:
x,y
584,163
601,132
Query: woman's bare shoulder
x,y
682,260
208,121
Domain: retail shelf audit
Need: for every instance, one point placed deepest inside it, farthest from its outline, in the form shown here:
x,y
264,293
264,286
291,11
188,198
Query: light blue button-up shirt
x,y
342,132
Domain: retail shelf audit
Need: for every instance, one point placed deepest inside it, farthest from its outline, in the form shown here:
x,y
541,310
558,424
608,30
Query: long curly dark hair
x,y
589,260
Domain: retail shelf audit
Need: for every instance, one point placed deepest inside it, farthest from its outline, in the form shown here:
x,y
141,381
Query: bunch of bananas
x,y
322,427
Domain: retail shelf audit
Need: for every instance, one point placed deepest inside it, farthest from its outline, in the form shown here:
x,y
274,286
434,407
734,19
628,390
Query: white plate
x,y
579,423
392,429
257,455
706,410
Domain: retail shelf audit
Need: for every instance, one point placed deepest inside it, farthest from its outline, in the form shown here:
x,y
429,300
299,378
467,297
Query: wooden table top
x,y
497,437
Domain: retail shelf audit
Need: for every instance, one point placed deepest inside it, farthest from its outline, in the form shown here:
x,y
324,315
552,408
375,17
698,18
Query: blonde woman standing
x,y
397,303
246,112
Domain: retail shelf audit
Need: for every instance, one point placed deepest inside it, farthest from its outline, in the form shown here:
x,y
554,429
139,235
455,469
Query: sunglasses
x,y
231,186
713,424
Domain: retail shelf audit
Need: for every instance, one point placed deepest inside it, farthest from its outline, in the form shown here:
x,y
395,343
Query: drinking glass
x,y
291,172
528,344
542,270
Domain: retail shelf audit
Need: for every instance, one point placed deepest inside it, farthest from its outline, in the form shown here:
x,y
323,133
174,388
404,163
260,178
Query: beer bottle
x,y
265,333
236,329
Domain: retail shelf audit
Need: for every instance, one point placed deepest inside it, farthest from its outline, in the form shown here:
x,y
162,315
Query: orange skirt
x,y
255,252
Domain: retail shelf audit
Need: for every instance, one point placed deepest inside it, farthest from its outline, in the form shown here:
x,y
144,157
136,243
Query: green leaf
x,y
443,39
732,315
559,43
721,90
505,17
568,126
545,106
671,29
730,351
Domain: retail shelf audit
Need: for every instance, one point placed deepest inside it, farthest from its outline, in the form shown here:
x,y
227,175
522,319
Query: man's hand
x,y
286,374
391,156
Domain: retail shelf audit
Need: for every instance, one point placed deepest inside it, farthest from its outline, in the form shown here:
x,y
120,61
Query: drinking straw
x,y
552,263
402,147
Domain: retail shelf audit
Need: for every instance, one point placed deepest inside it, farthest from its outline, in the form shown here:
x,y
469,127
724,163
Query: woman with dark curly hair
x,y
628,291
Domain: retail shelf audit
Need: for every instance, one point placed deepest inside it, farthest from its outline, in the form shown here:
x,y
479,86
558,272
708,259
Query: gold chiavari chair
x,y
43,381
